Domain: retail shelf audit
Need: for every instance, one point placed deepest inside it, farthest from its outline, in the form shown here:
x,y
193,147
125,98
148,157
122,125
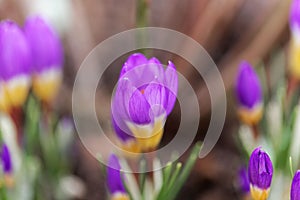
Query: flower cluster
x,y
272,124
34,51
145,95
31,59
260,174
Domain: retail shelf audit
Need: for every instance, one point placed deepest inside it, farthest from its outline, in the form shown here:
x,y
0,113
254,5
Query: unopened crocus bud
x,y
295,189
15,61
114,180
47,54
249,94
294,53
7,167
145,96
260,172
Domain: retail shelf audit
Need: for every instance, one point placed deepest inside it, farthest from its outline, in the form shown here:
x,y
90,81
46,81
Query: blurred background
x,y
230,31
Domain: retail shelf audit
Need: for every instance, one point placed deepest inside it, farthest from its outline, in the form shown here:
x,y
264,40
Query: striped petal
x,y
171,85
136,60
139,108
155,95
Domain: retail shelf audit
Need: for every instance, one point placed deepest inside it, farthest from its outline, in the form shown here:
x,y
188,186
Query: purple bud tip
x,y
248,88
295,15
15,58
46,47
260,169
114,178
244,180
6,159
295,189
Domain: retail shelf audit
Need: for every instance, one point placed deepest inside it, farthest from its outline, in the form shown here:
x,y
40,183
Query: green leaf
x,y
185,173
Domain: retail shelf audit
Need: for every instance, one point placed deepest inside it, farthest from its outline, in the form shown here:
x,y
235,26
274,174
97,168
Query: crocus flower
x,y
47,53
15,61
295,189
145,96
294,54
114,180
249,94
260,174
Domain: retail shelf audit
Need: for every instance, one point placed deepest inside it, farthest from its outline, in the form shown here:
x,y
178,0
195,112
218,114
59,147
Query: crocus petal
x,y
171,85
139,108
260,169
248,88
120,107
135,60
6,159
120,103
154,71
156,96
15,57
114,179
45,44
122,135
295,188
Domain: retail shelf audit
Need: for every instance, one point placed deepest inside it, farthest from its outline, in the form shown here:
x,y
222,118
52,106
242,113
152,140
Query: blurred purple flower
x,y
145,96
15,61
248,88
295,16
249,94
244,180
295,189
15,55
6,159
260,171
47,54
114,179
45,44
294,51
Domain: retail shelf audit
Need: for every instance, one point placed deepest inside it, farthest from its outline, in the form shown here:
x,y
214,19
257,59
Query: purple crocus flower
x,y
260,172
249,94
295,189
6,159
114,179
47,51
145,96
15,61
